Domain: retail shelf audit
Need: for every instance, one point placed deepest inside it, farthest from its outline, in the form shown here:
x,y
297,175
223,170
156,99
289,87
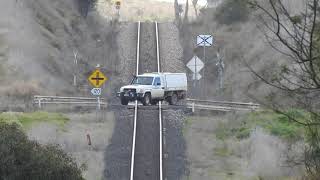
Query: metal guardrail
x,y
83,101
221,105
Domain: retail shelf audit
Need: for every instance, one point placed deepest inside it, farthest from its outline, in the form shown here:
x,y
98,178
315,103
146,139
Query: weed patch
x,y
26,120
187,124
223,151
276,124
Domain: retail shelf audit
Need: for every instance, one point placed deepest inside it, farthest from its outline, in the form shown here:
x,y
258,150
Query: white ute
x,y
149,88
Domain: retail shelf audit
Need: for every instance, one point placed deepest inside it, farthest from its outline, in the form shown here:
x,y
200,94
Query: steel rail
x,y
135,108
160,115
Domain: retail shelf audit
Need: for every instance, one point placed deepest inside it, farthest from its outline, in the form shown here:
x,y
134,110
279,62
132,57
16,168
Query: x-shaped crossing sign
x,y
204,40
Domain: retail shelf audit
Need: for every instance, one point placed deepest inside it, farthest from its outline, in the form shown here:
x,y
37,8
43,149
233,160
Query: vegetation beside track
x,y
27,120
276,124
21,158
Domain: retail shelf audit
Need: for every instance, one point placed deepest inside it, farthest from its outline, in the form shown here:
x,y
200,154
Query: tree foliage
x,y
296,37
22,159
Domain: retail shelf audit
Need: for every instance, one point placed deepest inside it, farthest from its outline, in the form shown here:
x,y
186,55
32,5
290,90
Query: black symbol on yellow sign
x,y
97,78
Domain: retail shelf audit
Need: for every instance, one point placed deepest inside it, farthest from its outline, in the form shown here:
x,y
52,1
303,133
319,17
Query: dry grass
x,y
73,139
21,89
214,155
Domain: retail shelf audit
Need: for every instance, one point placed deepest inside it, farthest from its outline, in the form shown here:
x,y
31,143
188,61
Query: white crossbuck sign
x,y
204,40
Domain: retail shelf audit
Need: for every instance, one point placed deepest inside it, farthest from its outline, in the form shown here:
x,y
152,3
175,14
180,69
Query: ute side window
x,y
157,82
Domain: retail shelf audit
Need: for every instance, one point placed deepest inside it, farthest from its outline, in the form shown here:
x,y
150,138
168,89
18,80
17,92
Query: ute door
x,y
157,91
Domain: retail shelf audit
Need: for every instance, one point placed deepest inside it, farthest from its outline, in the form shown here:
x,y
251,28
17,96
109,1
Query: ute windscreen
x,y
142,80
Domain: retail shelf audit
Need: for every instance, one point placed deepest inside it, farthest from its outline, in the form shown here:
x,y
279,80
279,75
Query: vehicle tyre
x,y
124,101
146,99
173,99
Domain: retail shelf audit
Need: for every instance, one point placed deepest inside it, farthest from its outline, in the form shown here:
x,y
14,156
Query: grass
x,y
187,124
230,175
222,151
27,120
276,124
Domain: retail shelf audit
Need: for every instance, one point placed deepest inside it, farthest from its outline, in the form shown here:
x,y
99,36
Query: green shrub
x,y
22,159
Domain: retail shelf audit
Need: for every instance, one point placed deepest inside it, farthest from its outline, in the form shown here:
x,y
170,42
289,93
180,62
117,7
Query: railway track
x,y
146,154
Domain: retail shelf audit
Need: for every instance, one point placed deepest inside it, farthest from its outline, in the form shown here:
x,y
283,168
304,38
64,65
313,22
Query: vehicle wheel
x,y
146,99
124,101
173,99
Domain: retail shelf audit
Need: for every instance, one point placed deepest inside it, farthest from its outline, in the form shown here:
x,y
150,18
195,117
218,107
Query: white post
x,y
39,103
99,103
193,108
74,80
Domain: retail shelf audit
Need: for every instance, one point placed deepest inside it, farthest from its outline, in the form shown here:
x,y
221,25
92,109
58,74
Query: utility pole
x,y
221,67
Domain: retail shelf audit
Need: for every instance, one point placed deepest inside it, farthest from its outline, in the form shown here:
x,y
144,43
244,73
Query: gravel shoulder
x,y
118,153
174,144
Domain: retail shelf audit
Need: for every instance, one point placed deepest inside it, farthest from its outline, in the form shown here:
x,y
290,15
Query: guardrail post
x,y
99,103
39,103
193,108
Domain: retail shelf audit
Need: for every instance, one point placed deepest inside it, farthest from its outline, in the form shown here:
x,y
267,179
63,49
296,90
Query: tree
x,y
22,159
194,3
296,37
176,10
186,12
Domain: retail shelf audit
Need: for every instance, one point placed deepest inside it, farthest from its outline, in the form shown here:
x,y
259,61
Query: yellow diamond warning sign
x,y
97,78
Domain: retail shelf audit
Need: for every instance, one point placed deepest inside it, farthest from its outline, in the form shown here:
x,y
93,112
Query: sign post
x,y
195,65
204,41
221,66
97,79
